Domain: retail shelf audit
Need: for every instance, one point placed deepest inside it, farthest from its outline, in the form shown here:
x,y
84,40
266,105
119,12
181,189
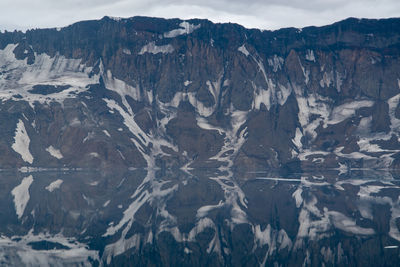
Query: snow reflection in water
x,y
91,217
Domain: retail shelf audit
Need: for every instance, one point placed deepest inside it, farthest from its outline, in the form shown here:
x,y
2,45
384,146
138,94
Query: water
x,y
199,217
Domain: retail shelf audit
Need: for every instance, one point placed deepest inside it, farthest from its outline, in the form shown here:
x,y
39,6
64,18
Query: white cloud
x,y
265,14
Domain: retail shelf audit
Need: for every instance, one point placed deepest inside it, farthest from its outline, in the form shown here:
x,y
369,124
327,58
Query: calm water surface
x,y
199,217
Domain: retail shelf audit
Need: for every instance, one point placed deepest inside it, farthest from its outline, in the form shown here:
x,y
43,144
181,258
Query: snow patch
x,y
297,139
21,142
347,110
310,55
276,240
204,210
54,152
154,49
327,79
201,225
18,77
54,185
106,133
343,169
306,72
297,196
21,195
204,124
106,203
364,144
126,51
276,63
283,94
339,81
129,121
347,224
244,50
185,28
234,196
75,254
201,109
271,94
120,154
312,105
261,96
115,18
120,87
94,154
215,88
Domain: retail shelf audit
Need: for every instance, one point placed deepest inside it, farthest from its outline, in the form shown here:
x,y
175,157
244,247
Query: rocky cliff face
x,y
158,95
151,92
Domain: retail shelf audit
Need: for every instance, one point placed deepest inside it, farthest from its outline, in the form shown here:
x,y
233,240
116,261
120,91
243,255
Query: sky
x,y
262,14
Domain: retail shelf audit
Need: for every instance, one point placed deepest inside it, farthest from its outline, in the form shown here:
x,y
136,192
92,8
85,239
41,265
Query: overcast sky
x,y
264,14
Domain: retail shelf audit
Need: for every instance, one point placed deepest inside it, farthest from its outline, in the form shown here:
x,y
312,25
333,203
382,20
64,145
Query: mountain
x,y
146,141
146,92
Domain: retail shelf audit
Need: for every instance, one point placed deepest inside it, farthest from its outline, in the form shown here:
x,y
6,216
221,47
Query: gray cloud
x,y
265,14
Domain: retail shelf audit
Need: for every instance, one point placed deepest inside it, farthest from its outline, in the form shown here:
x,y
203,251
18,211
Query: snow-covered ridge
x,y
115,18
186,28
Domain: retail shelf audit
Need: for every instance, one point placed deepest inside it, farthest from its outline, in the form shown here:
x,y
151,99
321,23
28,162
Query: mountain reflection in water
x,y
199,217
